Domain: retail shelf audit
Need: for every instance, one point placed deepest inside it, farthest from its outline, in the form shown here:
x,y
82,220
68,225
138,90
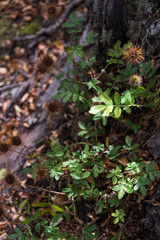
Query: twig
x,y
101,236
23,88
60,193
5,88
51,29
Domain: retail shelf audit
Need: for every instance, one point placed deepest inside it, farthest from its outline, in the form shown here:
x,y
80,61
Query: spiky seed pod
x,y
45,63
133,54
50,10
4,147
54,107
16,141
135,80
9,179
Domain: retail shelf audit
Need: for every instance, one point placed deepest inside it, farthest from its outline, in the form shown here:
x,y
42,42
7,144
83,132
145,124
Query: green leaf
x,y
114,180
36,214
121,193
143,190
68,25
75,176
85,175
127,109
107,100
75,97
96,99
128,189
28,220
81,133
38,227
117,98
82,125
96,109
13,236
128,140
157,173
104,121
117,188
23,203
126,97
116,220
72,16
151,176
70,58
58,209
95,171
128,66
151,165
70,30
117,112
107,111
18,231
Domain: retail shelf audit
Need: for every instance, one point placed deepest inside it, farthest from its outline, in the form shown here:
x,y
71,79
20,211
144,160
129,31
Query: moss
x,y
32,28
6,31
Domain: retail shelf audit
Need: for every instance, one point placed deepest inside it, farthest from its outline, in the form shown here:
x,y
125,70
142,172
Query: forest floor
x,y
22,103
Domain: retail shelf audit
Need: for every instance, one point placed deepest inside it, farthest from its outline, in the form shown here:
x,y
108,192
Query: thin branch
x,y
51,29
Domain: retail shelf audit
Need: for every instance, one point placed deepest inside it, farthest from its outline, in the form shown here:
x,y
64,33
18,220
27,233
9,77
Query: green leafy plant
x,y
90,157
119,215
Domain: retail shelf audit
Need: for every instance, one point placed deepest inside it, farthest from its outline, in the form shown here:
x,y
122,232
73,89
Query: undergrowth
x,y
126,84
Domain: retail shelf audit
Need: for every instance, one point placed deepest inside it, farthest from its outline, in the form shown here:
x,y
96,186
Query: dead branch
x,y
5,88
51,29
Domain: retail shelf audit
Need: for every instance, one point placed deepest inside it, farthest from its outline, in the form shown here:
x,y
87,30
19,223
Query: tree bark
x,y
137,21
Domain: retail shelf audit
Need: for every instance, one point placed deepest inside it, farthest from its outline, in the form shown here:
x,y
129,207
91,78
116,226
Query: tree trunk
x,y
137,21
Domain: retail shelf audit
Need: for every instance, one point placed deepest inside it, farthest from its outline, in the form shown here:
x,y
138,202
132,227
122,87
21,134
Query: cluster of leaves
x,y
84,166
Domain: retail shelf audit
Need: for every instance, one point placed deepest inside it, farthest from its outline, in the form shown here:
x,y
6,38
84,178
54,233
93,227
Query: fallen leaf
x,y
3,70
123,161
90,179
59,45
4,224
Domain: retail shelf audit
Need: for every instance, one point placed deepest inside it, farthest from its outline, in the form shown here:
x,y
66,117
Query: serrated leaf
x,y
18,231
117,98
117,112
13,236
68,25
72,16
107,111
107,100
70,58
96,109
36,214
